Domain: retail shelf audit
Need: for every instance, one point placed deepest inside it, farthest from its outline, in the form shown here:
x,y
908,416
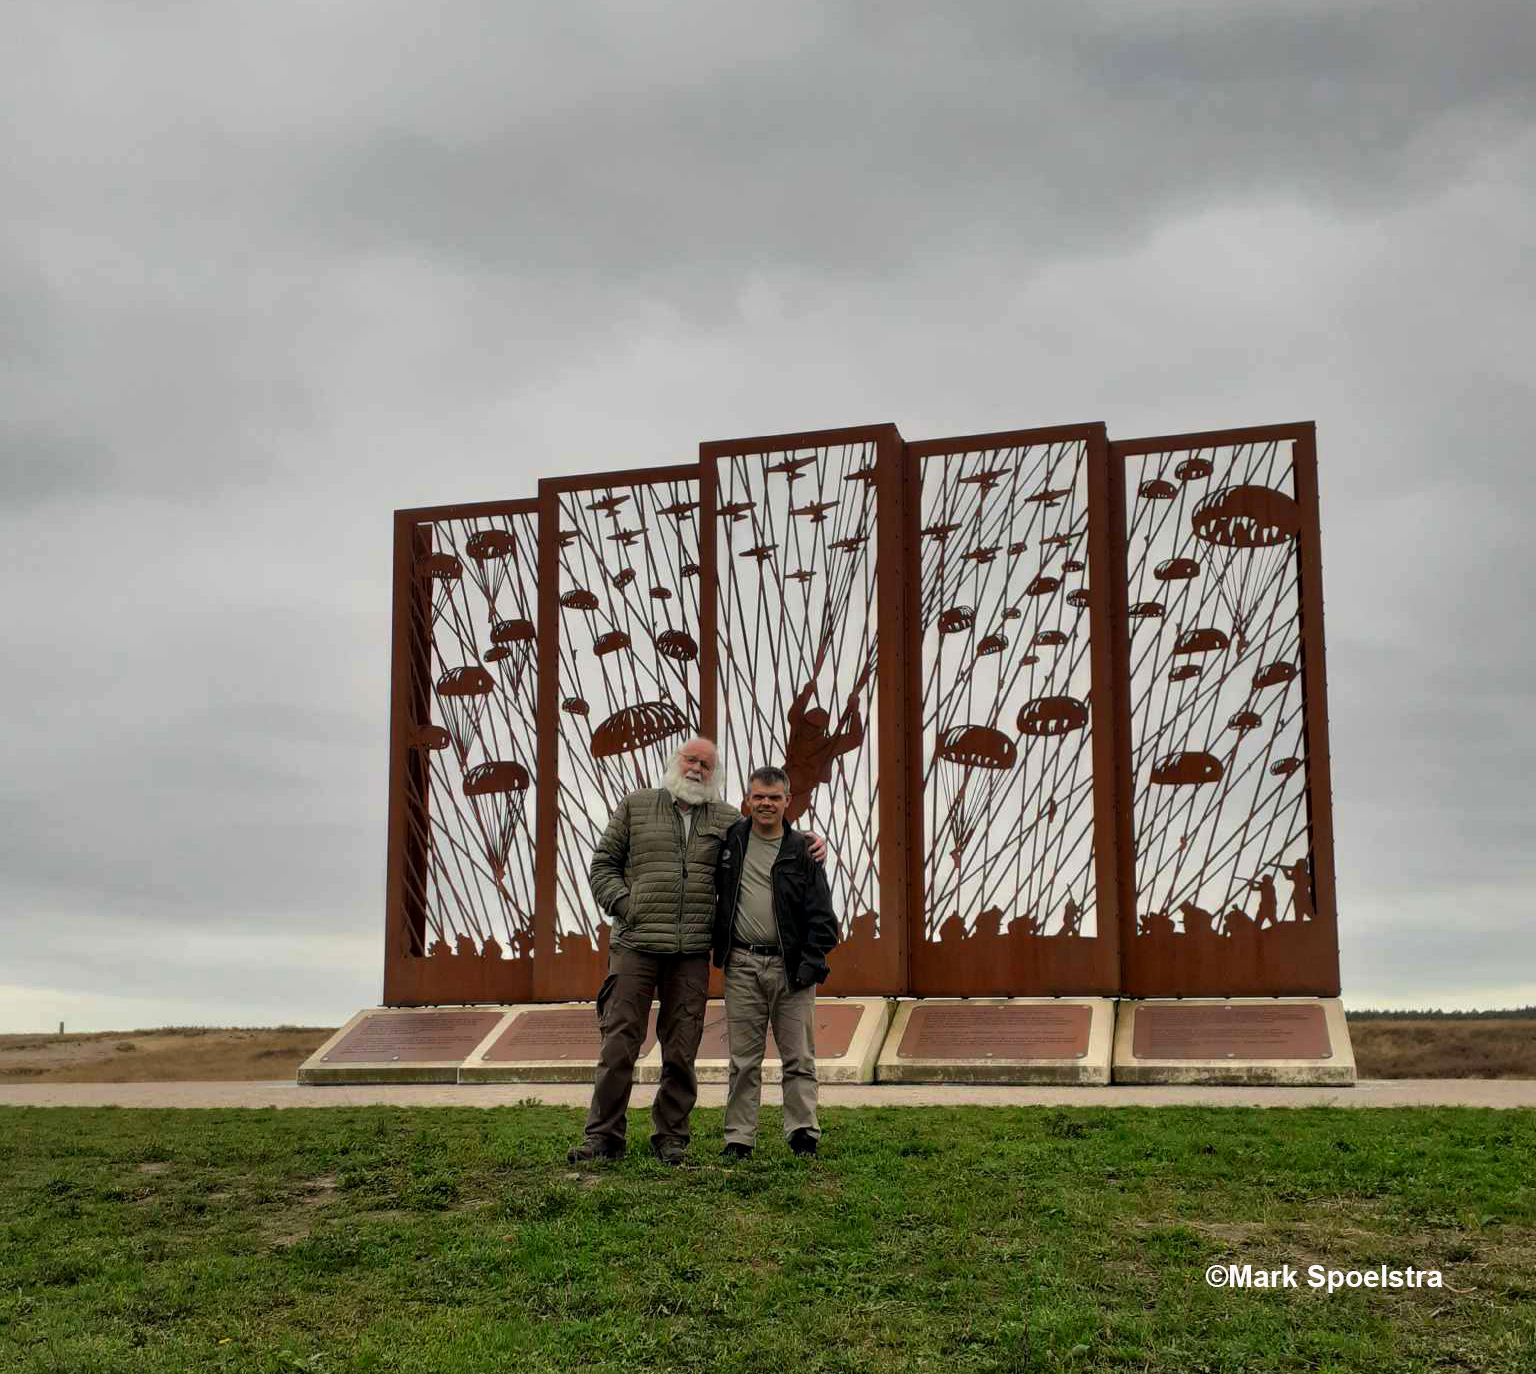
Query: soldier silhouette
x,y
812,748
1157,923
1072,919
862,928
1301,890
1197,920
1027,924
989,923
1268,906
952,932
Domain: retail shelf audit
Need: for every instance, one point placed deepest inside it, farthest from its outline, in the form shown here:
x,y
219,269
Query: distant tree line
x,y
1435,1014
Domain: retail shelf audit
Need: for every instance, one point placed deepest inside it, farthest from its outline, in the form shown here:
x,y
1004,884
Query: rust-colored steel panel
x,y
460,875
621,580
1019,861
812,573
1224,753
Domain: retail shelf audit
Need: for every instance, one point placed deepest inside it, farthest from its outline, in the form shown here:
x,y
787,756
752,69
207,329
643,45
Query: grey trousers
x,y
757,995
623,1011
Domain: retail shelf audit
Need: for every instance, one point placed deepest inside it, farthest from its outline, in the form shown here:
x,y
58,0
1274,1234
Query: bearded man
x,y
653,875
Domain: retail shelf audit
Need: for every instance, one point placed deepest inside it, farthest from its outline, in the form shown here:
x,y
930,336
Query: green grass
x,y
954,1239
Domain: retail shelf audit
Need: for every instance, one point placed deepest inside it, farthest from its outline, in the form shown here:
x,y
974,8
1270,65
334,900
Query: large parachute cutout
x,y
974,763
497,793
1251,530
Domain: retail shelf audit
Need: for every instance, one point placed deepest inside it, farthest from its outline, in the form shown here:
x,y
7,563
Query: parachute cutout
x,y
497,793
462,693
488,550
634,727
974,763
1251,531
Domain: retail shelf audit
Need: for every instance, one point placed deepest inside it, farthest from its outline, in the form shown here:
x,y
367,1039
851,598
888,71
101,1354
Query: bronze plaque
x,y
547,1033
958,1031
835,1027
1234,1031
415,1037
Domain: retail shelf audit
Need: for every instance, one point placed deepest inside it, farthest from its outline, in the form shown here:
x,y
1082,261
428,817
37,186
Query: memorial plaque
x,y
420,1037
835,1027
1036,1031
556,1034
1284,1030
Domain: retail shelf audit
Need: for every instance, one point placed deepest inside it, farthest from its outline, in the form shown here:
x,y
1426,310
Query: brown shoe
x,y
592,1152
669,1151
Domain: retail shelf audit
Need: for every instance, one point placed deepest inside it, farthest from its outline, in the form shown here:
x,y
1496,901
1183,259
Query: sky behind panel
x,y
270,272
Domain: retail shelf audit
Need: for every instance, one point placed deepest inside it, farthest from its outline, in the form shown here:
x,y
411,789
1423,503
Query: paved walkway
x,y
1401,1092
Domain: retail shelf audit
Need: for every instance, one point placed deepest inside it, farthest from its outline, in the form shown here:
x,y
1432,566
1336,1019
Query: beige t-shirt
x,y
755,923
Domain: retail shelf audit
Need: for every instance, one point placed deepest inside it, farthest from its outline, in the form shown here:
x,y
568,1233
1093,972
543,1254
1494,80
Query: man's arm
x,y
820,930
606,873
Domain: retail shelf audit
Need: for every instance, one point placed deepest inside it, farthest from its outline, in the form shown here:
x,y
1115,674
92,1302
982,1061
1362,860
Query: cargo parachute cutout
x,y
497,794
1251,530
973,764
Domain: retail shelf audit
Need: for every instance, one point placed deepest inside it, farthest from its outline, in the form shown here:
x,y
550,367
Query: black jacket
x,y
802,904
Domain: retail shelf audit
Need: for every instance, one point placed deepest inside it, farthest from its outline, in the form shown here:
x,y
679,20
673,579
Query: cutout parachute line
x,y
1046,717
635,727
497,792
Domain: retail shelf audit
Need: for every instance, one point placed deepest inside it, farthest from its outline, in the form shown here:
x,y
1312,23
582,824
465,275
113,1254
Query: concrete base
x,y
1281,1041
403,1045
999,1040
849,1033
552,1042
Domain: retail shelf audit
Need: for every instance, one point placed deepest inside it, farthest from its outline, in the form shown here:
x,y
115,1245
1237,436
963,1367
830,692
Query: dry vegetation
x,y
1440,1047
1446,1047
173,1054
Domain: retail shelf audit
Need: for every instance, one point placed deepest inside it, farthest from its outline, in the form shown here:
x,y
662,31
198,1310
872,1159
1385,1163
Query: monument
x,y
1058,704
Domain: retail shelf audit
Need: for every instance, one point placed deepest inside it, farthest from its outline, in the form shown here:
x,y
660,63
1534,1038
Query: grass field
x,y
962,1239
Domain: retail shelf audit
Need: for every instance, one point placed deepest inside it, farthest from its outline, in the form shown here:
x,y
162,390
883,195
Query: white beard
x,y
684,790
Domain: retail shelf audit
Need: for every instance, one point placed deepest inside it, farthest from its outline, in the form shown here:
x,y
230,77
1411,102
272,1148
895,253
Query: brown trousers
x,y
623,1011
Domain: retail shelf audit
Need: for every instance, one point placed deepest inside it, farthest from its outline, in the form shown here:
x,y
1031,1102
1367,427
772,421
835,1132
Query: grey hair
x,y
774,777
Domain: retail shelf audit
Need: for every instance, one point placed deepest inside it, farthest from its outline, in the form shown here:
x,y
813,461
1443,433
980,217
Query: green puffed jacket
x,y
670,890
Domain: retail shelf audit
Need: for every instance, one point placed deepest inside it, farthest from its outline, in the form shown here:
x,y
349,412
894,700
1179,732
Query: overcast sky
x,y
271,271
